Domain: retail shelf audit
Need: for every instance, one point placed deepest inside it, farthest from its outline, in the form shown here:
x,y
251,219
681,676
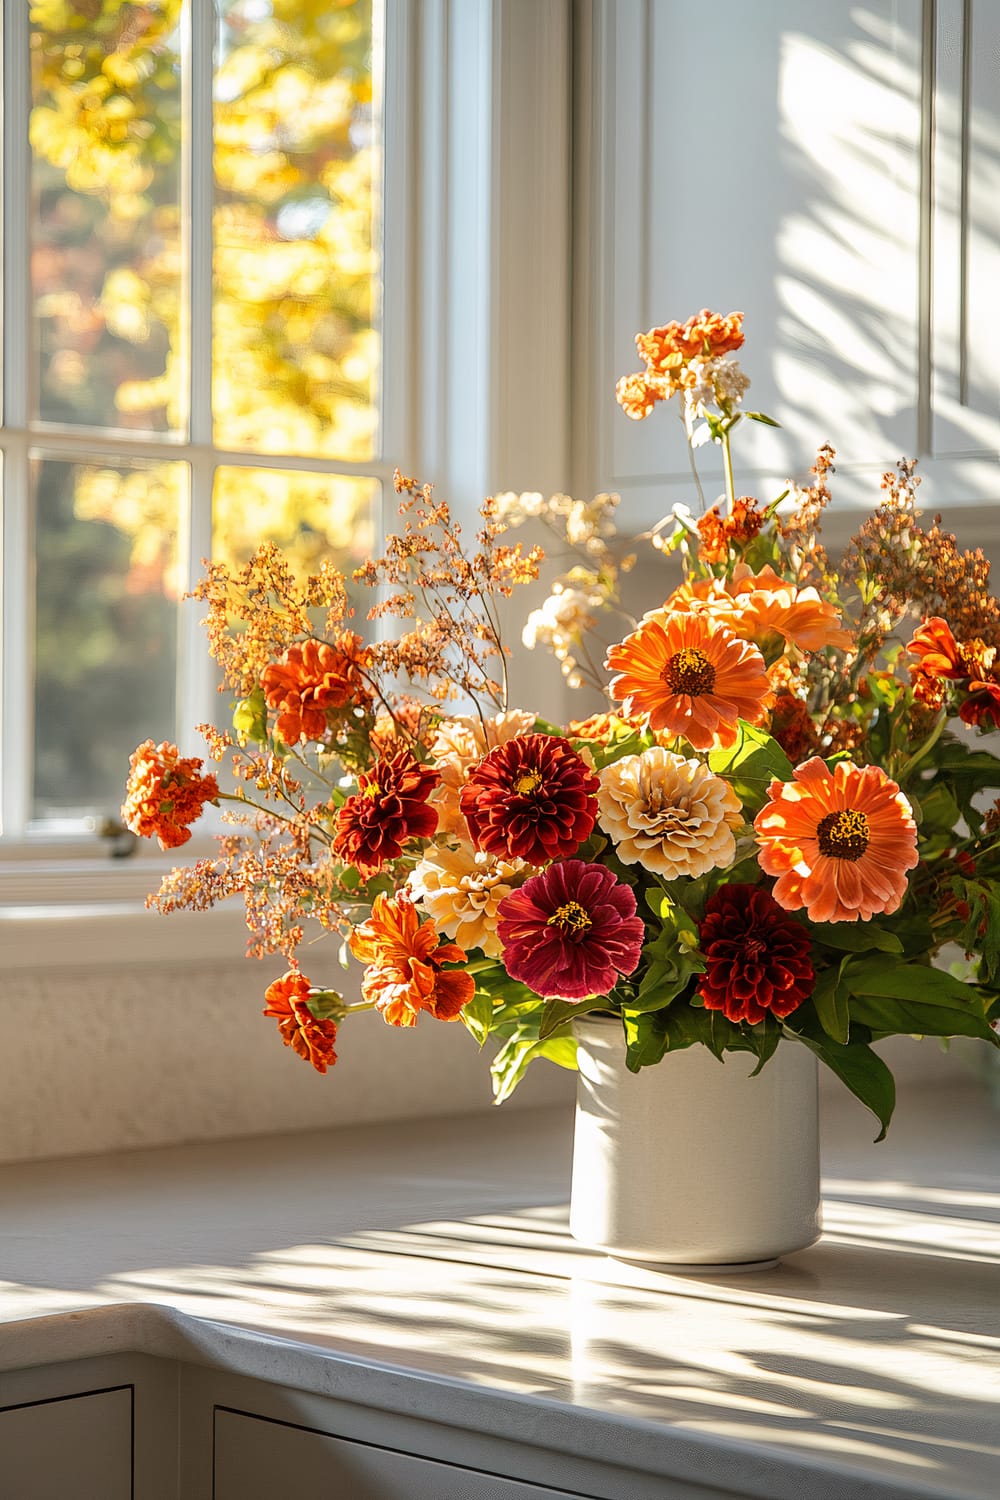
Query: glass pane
x,y
311,517
105,218
296,271
108,582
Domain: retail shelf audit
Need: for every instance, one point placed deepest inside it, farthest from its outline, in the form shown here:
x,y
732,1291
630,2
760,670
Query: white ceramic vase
x,y
692,1162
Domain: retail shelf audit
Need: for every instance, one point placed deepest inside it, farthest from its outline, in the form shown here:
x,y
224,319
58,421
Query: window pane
x,y
105,214
108,582
312,517
296,350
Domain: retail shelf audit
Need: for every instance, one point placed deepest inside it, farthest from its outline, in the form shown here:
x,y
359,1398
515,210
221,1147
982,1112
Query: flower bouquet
x,y
766,836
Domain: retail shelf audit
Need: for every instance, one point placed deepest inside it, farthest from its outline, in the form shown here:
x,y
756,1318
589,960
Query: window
x,y
193,359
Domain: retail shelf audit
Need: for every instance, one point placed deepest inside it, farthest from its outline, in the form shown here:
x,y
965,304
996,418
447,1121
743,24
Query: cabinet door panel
x,y
256,1459
74,1448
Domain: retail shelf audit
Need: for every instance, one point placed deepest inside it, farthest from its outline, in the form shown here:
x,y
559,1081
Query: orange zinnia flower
x,y
840,842
764,608
691,676
404,958
309,679
164,793
287,1000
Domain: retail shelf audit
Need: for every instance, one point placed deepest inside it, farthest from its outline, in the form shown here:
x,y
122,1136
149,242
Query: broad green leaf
x,y
862,1070
558,1012
645,1038
912,999
855,937
939,810
511,1062
829,999
477,1016
751,764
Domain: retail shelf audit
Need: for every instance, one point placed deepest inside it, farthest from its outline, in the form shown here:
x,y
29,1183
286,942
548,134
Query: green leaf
x,y
751,764
477,1016
558,1013
645,1038
759,416
939,810
855,937
915,1000
511,1062
829,999
862,1070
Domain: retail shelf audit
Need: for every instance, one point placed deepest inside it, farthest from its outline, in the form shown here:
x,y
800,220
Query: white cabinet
x,y
257,1459
68,1448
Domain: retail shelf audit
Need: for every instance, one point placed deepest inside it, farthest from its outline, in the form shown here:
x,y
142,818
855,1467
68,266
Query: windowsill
x,y
90,912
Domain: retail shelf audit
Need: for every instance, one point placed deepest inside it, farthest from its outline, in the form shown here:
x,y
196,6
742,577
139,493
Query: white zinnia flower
x,y
668,814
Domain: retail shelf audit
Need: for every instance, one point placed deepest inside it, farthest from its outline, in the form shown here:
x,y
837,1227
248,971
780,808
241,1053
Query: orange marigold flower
x,y
389,809
704,336
601,729
288,1001
165,792
311,679
691,676
636,395
404,957
764,608
718,533
839,842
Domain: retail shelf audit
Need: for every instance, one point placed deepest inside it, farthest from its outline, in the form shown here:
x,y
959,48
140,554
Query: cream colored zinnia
x,y
461,890
459,744
668,814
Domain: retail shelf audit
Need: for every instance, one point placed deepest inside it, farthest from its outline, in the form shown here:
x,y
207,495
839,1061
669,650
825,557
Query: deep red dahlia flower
x,y
758,956
571,931
389,808
532,798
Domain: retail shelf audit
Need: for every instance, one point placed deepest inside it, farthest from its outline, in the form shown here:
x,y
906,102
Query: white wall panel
x,y
832,171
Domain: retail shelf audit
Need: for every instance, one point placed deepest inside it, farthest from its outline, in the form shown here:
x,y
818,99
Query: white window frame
x,y
475,319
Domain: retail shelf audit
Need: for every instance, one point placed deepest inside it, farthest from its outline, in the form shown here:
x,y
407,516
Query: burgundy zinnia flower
x,y
758,956
531,798
571,931
389,808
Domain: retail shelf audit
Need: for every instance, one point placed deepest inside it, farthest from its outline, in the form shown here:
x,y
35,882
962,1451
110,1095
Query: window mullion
x,y
195,695
17,625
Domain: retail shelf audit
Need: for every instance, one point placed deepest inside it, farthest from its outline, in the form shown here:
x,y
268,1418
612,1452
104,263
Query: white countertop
x,y
440,1249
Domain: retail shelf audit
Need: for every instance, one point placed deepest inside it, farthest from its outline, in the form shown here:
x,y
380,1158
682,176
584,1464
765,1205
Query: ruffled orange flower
x,y
691,676
165,792
637,395
667,353
937,651
704,336
287,1001
718,532
839,842
764,608
312,678
404,974
792,726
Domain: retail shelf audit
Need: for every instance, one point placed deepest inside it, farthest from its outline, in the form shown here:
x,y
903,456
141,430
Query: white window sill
x,y
91,913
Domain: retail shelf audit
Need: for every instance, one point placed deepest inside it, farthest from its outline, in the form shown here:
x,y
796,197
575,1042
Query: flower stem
x,y
727,458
